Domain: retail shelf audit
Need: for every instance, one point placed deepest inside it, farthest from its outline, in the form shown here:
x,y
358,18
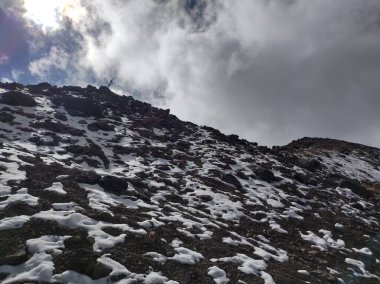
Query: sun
x,y
49,13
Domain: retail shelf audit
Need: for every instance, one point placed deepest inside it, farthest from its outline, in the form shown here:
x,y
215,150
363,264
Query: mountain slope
x,y
101,188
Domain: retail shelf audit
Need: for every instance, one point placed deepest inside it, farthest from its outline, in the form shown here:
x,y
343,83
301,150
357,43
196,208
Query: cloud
x,y
268,70
3,59
56,60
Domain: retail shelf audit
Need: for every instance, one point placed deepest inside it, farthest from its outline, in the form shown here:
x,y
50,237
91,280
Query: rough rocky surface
x,y
101,188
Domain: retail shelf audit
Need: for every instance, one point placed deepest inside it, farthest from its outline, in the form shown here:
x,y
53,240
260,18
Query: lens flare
x,y
49,14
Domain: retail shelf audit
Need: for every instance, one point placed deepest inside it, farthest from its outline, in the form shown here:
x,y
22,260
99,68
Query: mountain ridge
x,y
101,188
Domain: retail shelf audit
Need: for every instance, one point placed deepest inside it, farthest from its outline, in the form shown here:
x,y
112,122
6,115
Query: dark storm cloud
x,y
268,70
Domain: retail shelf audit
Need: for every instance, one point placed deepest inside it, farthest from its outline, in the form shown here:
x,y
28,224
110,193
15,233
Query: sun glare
x,y
50,13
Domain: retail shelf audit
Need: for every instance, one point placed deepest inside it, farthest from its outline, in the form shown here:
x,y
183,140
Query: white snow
x,y
361,267
38,268
20,196
57,188
218,275
186,256
247,265
303,272
48,244
323,243
13,222
365,251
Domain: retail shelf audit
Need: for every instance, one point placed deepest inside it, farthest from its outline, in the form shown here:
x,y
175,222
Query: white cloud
x,y
268,70
57,59
16,74
3,59
6,80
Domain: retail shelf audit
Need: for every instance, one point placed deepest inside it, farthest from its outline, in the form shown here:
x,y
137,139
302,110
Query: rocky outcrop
x,y
16,98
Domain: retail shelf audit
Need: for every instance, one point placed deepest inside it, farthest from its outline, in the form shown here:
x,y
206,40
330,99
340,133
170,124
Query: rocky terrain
x,y
101,188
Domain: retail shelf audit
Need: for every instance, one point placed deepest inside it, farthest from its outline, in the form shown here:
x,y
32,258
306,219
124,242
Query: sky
x,y
270,71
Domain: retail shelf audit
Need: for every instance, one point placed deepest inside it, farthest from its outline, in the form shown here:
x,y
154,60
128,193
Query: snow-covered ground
x,y
186,203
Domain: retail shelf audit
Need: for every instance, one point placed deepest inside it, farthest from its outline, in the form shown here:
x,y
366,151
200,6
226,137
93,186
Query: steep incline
x,y
101,188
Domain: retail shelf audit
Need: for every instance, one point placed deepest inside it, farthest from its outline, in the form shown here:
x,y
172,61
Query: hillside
x,y
101,188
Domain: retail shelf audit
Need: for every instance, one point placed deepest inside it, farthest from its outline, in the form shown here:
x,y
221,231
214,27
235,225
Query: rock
x,y
89,177
101,125
356,188
15,258
91,88
60,116
105,90
44,85
57,127
100,271
228,178
310,165
112,231
19,208
184,144
6,117
205,198
77,242
16,98
84,261
266,175
114,184
75,89
82,107
163,167
242,175
3,275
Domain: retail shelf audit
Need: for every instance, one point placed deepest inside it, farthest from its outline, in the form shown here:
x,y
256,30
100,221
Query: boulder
x,y
265,175
6,117
16,98
114,184
101,125
15,258
228,178
356,188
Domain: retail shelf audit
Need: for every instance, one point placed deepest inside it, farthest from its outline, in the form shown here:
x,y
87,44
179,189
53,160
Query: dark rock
x,y
16,98
84,261
57,127
3,275
114,184
184,144
91,88
228,178
19,208
242,175
75,89
77,242
6,117
163,167
60,116
100,271
356,188
310,165
90,150
105,90
112,231
205,198
265,175
44,85
15,258
89,177
81,107
101,125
